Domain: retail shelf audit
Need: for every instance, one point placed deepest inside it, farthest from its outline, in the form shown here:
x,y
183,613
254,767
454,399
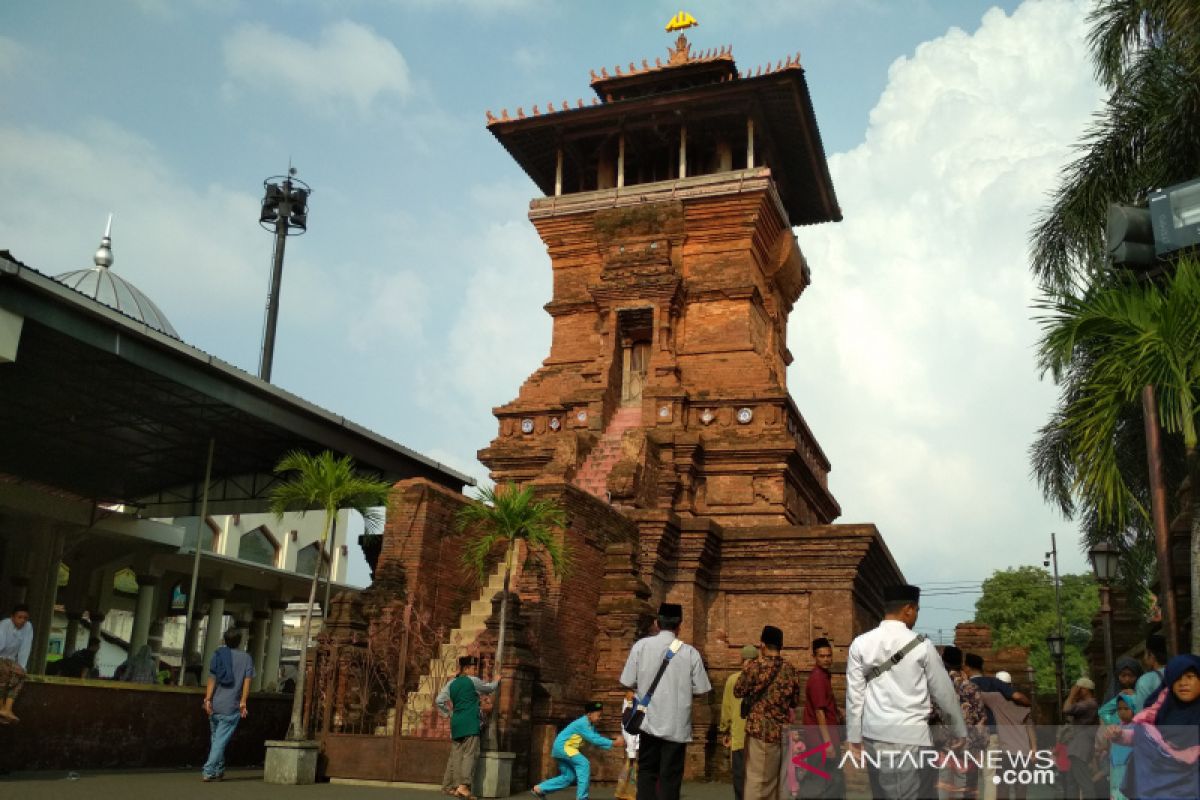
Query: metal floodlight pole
x,y
285,212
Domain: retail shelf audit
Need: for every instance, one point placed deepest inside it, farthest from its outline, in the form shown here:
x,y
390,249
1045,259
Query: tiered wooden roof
x,y
690,86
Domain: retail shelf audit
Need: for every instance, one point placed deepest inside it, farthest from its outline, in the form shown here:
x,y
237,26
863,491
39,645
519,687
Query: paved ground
x,y
243,785
248,785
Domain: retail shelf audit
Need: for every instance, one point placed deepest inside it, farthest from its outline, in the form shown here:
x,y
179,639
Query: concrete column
x,y
274,648
71,640
143,615
749,142
683,151
216,623
189,636
258,646
43,592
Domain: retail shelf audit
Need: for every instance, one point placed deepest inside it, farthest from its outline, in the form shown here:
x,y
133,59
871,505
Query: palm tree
x,y
330,484
1146,53
1126,335
509,515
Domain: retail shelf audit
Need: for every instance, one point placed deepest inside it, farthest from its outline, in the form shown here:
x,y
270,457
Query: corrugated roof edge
x,y
11,267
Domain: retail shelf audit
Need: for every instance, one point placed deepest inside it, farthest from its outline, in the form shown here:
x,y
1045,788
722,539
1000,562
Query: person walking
x,y
626,788
16,641
958,775
1015,737
1081,708
733,725
573,766
892,675
821,719
772,690
667,727
225,699
459,700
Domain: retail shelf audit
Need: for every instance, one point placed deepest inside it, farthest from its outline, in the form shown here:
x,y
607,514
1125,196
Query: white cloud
x,y
395,313
196,251
12,55
349,63
913,346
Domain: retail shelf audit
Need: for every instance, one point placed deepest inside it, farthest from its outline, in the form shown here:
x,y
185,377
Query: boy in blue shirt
x,y
573,766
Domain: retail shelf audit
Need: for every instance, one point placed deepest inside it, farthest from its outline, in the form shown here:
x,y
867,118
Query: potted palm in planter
x,y
329,484
507,516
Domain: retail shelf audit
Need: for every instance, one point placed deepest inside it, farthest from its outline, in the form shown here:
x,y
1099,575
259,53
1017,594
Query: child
x,y
627,782
1165,737
573,767
1118,711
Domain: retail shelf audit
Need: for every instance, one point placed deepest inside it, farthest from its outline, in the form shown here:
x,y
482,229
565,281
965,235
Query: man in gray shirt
x,y
225,699
668,725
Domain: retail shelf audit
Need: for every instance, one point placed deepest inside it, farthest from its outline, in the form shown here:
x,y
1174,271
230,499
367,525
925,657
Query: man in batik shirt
x,y
774,689
958,777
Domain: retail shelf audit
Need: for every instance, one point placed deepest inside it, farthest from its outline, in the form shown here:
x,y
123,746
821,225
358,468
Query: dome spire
x,y
104,256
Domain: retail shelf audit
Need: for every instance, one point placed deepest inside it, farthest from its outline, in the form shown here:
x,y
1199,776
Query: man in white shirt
x,y
16,640
892,678
667,727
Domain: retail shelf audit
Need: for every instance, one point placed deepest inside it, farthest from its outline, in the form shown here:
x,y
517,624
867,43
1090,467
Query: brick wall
x,y
87,725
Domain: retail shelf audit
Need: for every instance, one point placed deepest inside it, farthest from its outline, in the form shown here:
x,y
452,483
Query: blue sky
x,y
413,305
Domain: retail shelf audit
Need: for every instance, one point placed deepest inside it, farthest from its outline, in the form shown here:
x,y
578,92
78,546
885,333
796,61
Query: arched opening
x,y
306,558
259,546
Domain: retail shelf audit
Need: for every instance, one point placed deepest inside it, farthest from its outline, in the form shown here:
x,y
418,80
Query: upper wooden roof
x,y
691,87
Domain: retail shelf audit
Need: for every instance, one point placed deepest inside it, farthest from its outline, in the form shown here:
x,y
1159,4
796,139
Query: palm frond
x,y
508,514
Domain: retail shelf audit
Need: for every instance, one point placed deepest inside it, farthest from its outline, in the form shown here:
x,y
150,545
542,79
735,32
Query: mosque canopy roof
x,y
110,408
103,285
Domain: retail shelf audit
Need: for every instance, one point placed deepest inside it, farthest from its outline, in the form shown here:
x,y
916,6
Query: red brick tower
x,y
668,220
661,420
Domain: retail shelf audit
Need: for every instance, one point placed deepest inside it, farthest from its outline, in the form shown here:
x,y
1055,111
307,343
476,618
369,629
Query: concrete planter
x,y
493,774
291,763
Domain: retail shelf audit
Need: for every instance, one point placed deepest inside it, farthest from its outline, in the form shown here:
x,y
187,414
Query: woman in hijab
x,y
1165,738
140,667
1128,670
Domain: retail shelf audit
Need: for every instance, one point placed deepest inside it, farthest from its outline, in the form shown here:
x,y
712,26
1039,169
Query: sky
x,y
413,305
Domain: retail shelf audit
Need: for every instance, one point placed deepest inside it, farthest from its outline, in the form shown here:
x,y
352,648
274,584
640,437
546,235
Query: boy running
x,y
573,766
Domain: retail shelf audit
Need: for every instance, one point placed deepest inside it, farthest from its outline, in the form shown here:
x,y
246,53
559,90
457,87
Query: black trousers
x,y
738,768
660,768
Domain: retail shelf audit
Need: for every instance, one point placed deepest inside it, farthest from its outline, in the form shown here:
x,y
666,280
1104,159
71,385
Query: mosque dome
x,y
102,284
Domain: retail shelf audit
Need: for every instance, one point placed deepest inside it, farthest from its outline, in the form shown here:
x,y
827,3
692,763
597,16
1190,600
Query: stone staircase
x,y
421,717
593,473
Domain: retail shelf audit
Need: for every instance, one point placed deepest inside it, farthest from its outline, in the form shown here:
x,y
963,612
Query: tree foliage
x,y
327,483
508,515
1146,54
1018,605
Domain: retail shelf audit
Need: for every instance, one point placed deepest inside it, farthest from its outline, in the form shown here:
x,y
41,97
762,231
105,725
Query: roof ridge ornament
x,y
681,21
104,256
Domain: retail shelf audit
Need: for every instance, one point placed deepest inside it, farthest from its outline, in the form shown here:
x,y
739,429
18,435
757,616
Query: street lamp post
x,y
1104,558
284,212
1055,643
1055,640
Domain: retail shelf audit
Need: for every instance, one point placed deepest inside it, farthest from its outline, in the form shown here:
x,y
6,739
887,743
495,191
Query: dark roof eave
x,y
509,132
171,354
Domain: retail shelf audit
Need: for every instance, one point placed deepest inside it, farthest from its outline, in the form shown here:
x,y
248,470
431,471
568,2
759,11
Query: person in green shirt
x,y
459,700
733,724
